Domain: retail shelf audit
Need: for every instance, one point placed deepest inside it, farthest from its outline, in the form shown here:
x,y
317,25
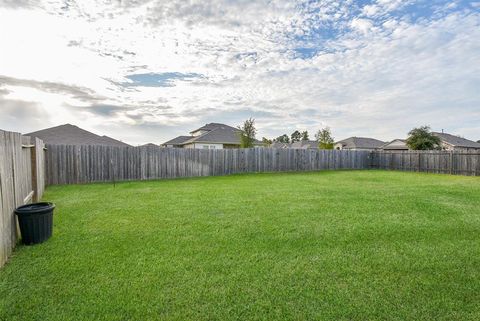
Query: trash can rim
x,y
35,208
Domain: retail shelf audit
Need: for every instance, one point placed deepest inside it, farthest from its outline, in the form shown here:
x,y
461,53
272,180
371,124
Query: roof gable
x,y
361,142
148,145
225,135
178,140
398,144
456,141
304,144
214,133
113,142
212,126
68,134
279,145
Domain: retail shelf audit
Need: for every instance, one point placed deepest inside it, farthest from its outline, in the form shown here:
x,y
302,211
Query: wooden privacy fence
x,y
22,180
457,163
67,164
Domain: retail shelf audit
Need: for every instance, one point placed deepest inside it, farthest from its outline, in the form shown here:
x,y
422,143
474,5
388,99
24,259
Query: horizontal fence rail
x,y
444,162
68,164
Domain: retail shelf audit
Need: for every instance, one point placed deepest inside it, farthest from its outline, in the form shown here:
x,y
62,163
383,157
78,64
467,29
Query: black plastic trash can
x,y
36,222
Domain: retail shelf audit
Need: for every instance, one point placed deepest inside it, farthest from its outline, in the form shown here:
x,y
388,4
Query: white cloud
x,y
362,25
375,76
371,10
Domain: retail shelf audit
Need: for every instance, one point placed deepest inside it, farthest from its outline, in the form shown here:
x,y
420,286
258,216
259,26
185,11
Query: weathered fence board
x,y
444,162
22,179
84,164
38,168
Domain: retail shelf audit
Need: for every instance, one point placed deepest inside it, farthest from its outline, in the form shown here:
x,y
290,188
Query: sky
x,y
147,71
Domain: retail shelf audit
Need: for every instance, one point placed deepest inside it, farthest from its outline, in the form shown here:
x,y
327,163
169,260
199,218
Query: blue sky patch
x,y
305,52
166,79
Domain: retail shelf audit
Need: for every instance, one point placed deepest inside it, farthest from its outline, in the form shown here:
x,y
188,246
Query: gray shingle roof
x,y
360,143
225,135
72,135
280,145
148,145
401,144
216,134
212,126
220,135
305,144
457,141
113,142
178,140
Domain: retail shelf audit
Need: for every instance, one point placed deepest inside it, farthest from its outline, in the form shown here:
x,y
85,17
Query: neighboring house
x,y
72,135
395,145
447,141
305,144
149,145
177,141
455,143
210,136
279,145
109,141
359,143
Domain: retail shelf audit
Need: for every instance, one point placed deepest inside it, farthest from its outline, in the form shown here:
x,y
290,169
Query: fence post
x,y
451,162
36,161
33,152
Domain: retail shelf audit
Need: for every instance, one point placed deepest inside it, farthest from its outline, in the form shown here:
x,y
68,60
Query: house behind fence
x,y
22,180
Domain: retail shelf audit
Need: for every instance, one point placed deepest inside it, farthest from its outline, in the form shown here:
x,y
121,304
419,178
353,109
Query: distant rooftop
x,y
279,145
212,126
148,145
361,143
113,142
178,140
214,133
68,134
304,144
456,140
396,144
218,134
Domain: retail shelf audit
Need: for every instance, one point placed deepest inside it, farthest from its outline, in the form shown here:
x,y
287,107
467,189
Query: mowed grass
x,y
344,245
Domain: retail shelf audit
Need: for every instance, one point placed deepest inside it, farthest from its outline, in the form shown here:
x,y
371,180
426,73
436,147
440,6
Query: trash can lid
x,y
35,208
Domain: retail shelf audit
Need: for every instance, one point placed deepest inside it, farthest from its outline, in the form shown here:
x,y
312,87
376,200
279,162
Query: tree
x,y
266,142
422,138
283,139
247,134
305,135
324,138
296,136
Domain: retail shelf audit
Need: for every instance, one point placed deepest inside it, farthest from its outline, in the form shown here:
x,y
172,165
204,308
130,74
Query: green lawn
x,y
345,245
